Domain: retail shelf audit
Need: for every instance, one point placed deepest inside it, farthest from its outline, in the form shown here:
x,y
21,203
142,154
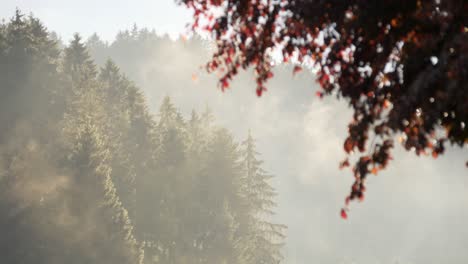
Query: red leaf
x,y
361,196
348,145
224,84
297,69
260,90
344,163
323,80
343,214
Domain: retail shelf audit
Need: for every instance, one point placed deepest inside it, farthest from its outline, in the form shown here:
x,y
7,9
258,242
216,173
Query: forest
x,y
88,174
233,132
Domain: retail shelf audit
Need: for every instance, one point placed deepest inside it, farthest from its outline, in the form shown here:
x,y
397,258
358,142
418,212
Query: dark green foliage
x,y
58,200
266,238
88,175
77,62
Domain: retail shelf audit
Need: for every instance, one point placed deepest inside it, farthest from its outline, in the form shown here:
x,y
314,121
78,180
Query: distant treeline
x,y
88,175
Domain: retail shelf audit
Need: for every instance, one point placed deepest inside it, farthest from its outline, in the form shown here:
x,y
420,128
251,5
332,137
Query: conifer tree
x,y
140,145
84,126
264,239
115,89
220,195
98,49
168,181
82,160
77,62
27,70
29,176
112,231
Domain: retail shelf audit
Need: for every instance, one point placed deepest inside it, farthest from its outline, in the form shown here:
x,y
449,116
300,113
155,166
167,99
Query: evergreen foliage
x,y
89,175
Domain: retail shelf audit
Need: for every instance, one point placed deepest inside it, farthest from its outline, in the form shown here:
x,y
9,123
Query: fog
x,y
414,212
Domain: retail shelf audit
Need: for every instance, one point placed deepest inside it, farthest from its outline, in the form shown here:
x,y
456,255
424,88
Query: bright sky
x,y
105,17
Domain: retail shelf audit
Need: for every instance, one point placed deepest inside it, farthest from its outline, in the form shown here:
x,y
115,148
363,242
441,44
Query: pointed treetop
x,y
110,68
77,59
18,18
135,30
94,41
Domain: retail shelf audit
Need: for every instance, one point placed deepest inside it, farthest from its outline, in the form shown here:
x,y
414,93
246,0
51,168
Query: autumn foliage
x,y
401,64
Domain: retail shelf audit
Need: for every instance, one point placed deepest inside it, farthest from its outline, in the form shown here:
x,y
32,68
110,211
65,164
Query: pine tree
x,y
170,167
111,231
30,178
219,191
115,89
82,159
77,62
85,123
140,141
98,49
134,142
260,240
27,70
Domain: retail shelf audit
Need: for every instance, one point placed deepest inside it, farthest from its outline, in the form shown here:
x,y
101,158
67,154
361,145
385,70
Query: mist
x,y
414,211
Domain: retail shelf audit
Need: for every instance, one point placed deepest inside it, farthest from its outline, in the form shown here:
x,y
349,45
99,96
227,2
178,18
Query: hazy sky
x,y
104,16
416,211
